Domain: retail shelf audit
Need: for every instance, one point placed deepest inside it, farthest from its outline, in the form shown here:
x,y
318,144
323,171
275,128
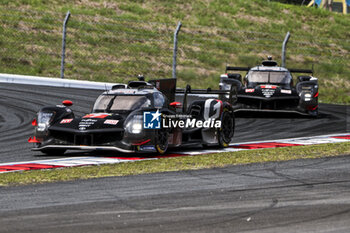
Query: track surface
x,y
294,196
19,104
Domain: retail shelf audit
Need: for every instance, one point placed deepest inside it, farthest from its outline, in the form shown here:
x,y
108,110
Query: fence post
x,y
284,47
175,48
64,42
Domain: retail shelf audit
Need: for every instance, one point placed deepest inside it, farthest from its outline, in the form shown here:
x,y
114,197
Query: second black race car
x,y
138,117
270,88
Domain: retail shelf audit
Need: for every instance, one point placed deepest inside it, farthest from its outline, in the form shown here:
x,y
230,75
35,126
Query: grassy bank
x,y
116,40
176,164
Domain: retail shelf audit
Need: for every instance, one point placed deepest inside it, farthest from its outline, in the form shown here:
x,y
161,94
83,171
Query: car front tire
x,y
162,142
225,133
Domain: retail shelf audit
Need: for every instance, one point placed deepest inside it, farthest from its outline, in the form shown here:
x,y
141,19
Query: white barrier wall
x,y
54,82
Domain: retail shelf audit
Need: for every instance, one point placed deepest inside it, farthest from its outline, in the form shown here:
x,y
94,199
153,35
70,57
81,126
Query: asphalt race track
x,y
19,103
294,196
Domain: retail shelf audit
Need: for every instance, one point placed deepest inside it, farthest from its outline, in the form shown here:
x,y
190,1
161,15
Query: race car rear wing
x,y
232,93
301,71
202,91
237,68
168,88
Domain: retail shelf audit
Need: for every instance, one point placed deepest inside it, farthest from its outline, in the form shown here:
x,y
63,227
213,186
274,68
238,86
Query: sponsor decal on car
x,y
66,121
148,148
111,122
286,91
97,115
126,91
268,92
268,86
249,90
60,106
158,85
86,123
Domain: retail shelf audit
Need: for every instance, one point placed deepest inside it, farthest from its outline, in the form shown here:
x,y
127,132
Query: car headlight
x,y
44,119
307,97
134,125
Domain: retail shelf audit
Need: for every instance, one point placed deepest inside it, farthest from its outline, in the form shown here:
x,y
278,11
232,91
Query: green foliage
x,y
134,8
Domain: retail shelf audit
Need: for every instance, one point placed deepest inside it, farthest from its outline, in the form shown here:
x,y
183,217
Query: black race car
x,y
138,117
269,88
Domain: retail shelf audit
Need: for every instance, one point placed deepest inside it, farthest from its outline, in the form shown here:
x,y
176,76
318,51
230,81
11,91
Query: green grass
x,y
176,164
116,40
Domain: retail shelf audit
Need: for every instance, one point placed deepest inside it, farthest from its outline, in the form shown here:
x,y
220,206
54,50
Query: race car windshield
x,y
272,77
114,103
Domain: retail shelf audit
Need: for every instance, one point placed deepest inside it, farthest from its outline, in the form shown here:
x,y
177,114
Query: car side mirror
x,y
67,103
176,104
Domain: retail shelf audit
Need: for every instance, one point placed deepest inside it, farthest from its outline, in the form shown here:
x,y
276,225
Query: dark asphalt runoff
x,y
295,196
19,104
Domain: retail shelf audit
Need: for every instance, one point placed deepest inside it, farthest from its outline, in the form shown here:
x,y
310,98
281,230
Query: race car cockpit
x,y
258,77
116,103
